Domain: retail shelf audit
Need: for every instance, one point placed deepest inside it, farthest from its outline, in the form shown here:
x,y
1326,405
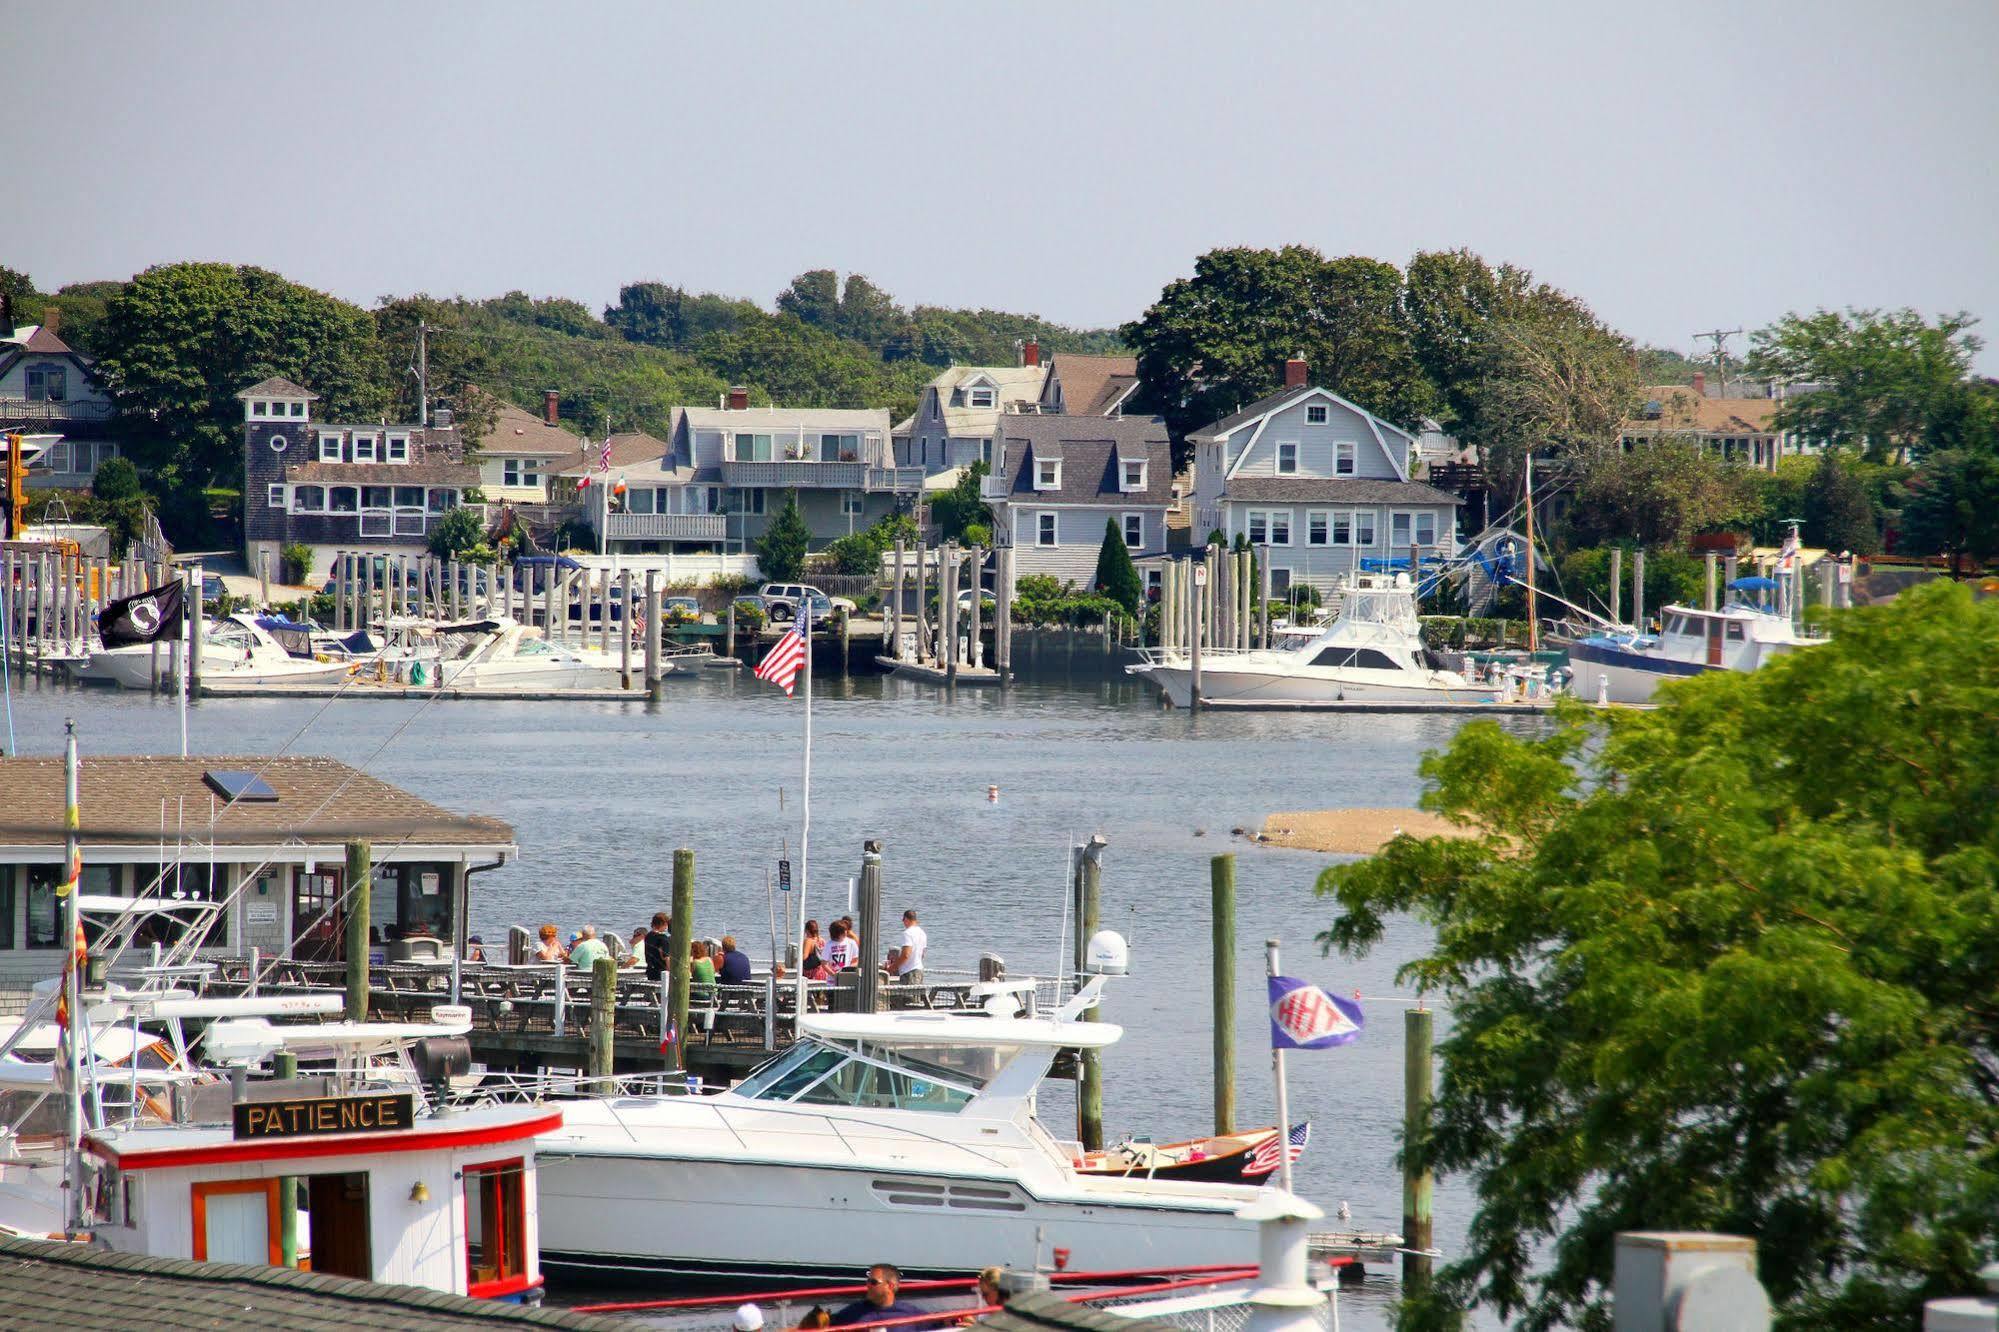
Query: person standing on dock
x,y
659,946
905,964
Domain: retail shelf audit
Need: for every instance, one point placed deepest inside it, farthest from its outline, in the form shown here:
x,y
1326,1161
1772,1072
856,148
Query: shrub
x,y
295,562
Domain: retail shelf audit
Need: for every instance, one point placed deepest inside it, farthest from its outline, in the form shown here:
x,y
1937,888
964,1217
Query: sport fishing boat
x,y
493,653
1372,651
905,1133
1626,666
237,649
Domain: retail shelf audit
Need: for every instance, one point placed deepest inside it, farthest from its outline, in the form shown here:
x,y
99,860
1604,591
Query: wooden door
x,y
1714,641
319,921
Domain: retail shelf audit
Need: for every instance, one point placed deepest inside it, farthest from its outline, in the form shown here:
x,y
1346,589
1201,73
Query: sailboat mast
x,y
805,811
73,1023
1533,608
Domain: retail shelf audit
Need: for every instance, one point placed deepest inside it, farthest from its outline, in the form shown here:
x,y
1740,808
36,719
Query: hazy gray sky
x,y
1681,166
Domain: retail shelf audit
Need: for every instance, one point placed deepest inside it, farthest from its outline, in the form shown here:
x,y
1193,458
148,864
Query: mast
x,y
73,1022
805,811
1533,608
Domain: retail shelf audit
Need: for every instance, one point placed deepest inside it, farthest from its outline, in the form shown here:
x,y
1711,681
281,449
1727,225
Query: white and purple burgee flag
x,y
1305,1017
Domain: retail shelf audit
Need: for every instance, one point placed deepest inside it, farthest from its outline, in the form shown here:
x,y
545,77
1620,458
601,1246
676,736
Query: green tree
x,y
1671,577
781,549
960,507
1117,576
1659,494
459,534
1953,507
1882,379
182,340
1726,965
1554,380
1838,512
116,479
813,298
1218,340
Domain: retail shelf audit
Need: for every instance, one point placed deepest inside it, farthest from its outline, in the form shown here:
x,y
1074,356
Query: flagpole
x,y
1277,1067
185,640
805,814
72,983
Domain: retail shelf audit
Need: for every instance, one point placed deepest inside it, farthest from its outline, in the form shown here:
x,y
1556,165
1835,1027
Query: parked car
x,y
680,610
212,590
780,600
987,602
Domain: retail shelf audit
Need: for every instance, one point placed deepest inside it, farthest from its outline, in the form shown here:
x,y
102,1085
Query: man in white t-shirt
x,y
905,964
841,950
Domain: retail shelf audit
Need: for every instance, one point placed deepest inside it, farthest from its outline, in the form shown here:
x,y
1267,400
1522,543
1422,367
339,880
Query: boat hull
x,y
613,1215
1617,676
1227,687
132,668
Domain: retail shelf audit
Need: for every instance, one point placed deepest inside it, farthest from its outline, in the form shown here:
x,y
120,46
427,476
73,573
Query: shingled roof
x,y
1089,447
1092,384
52,1284
278,387
1682,409
523,433
319,800
1335,490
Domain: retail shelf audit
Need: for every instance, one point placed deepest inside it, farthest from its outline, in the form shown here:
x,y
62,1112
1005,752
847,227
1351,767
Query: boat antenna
x,y
1062,935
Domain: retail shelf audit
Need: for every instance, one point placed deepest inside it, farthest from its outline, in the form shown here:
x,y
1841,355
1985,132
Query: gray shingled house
x,y
1060,477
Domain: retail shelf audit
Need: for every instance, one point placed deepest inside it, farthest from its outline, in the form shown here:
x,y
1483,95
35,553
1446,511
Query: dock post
x,y
360,883
729,633
975,655
947,610
625,627
1616,582
604,613
1221,883
334,576
682,940
1638,588
1728,567
1003,615
653,632
922,610
1197,623
892,622
559,1020
197,631
1263,638
1417,1181
547,604
603,1009
1707,590
869,904
1090,1085
285,1065
454,575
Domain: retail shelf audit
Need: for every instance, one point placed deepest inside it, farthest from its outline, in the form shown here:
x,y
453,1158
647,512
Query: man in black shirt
x,y
880,1302
658,946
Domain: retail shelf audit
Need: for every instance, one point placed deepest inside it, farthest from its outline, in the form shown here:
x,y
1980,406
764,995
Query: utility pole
x,y
1719,337
423,373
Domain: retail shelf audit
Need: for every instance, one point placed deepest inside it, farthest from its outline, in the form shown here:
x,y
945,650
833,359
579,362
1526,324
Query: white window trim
x,y
1054,480
1047,529
1324,413
1124,528
1373,518
1326,515
276,498
298,409
990,395
1125,483
1349,450
1415,516
1278,457
1269,518
257,407
365,448
278,443
397,449
324,442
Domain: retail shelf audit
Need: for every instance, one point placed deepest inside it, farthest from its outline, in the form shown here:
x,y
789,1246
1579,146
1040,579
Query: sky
x,y
1680,167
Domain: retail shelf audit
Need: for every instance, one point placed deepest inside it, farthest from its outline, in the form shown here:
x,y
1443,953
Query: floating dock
x,y
932,673
220,689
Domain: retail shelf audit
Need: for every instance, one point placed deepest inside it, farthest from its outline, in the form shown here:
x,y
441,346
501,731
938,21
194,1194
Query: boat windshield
x,y
935,1079
1391,606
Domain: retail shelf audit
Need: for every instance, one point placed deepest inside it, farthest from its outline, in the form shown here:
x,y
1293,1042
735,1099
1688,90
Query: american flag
x,y
1264,1159
781,665
604,455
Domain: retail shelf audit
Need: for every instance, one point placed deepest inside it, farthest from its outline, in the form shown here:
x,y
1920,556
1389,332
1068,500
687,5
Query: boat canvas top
x,y
247,1040
960,1029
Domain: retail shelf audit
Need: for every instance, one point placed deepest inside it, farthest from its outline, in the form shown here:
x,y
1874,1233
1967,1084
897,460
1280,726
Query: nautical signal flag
x,y
781,664
153,614
1305,1017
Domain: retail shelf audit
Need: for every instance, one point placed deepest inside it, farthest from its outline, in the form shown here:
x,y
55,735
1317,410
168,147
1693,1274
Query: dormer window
x,y
1048,474
298,409
364,448
399,448
985,397
329,448
1132,474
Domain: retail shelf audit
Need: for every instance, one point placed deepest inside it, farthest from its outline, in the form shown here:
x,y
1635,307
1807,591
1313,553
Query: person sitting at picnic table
x,y
635,954
588,949
550,948
880,1302
659,946
475,949
735,969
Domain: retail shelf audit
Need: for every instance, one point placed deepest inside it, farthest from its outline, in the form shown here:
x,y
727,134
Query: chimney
x,y
551,410
51,319
739,398
1030,352
1294,372
1700,383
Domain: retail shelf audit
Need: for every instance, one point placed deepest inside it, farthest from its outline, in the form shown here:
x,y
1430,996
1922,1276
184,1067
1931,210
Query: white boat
x,y
1626,667
495,653
1372,651
236,650
908,1136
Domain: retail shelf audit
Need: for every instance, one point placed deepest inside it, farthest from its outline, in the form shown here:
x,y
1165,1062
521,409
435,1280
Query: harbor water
x,y
601,794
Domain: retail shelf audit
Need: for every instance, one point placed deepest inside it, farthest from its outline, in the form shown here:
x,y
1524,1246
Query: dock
x,y
1464,707
932,673
1361,1249
223,689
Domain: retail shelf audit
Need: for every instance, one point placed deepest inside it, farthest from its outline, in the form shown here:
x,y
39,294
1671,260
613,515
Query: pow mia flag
x,y
154,613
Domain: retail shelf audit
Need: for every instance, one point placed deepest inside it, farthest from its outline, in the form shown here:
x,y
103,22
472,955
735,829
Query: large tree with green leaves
x,y
1218,340
182,340
1659,494
1117,576
1727,965
781,549
1839,514
1882,380
1953,507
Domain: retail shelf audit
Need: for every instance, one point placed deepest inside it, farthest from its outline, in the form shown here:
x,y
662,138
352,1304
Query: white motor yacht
x,y
493,653
907,1135
1626,667
235,649
1372,651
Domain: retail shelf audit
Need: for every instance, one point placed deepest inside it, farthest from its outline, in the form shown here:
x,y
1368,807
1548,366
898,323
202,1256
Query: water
x,y
600,795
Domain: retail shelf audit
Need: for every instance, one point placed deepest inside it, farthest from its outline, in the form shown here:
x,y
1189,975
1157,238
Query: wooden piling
x,y
1263,636
359,884
892,622
1616,582
868,906
197,625
625,627
1197,621
682,939
1003,615
1707,587
729,632
603,581
547,601
922,610
1418,1184
1221,885
846,647
654,630
947,610
1637,588
1090,1085
974,649
603,1011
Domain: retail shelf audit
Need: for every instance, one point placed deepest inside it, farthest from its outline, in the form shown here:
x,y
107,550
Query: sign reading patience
x,y
301,1116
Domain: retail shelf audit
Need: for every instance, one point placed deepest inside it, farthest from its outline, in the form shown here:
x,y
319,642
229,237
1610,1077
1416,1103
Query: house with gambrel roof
x,y
1318,483
48,387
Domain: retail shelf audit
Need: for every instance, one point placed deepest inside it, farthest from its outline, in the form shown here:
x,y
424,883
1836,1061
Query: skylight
x,y
238,786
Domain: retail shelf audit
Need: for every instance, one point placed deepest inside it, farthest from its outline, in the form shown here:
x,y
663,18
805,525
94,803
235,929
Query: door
x,y
236,1221
338,1206
1714,641
319,924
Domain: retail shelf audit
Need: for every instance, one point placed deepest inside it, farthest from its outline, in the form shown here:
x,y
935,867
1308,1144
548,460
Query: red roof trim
x,y
344,1144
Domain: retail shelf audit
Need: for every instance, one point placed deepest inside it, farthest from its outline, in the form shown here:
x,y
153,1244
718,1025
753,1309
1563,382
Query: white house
x,y
959,412
517,455
1320,482
46,387
1061,478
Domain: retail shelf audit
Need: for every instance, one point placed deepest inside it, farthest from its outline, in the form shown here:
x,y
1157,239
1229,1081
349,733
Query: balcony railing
x,y
18,410
805,475
666,526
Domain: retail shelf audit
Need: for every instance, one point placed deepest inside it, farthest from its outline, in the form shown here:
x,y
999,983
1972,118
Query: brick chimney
x,y
1030,352
1294,372
739,398
51,319
1700,383
551,406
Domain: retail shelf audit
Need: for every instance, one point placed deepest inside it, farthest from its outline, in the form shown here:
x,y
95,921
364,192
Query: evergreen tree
x,y
1117,576
781,550
1838,513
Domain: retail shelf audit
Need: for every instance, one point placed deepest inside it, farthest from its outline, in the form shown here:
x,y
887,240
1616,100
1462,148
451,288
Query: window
x,y
276,497
1412,528
1343,450
1342,527
399,448
640,500
1363,527
374,497
1365,658
1280,527
342,499
1048,474
751,448
1287,459
985,397
1269,527
839,448
308,499
851,502
409,497
495,1228
44,921
753,501
519,472
298,409
6,906
1134,530
54,458
329,448
1132,474
441,499
1316,415
986,453
256,408
278,443
1318,527
236,1221
1044,532
364,448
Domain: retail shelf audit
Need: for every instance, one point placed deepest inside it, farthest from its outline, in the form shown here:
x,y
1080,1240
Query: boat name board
x,y
302,1116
